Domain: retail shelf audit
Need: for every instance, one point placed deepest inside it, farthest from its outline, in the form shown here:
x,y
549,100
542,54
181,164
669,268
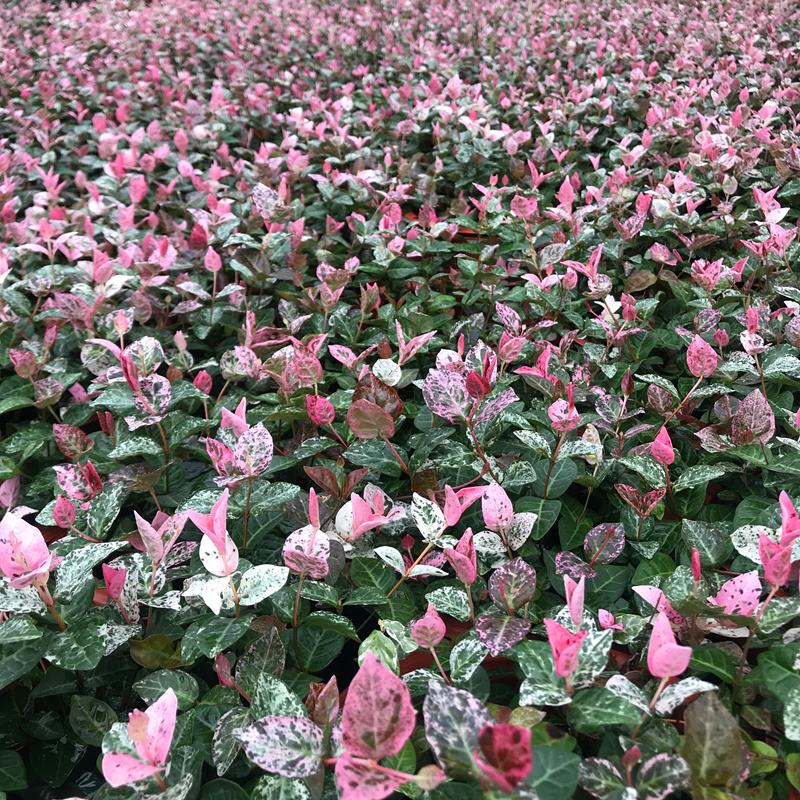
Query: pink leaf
x,y
378,716
497,508
740,595
429,630
360,780
463,558
71,441
662,449
445,394
754,420
120,769
701,358
565,647
320,409
307,550
665,657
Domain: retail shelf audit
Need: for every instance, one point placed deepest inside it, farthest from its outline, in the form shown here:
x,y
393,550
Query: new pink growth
x,y
24,557
662,449
429,630
575,594
151,732
565,647
463,558
665,657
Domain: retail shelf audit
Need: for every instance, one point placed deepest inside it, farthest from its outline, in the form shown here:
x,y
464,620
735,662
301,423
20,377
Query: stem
x,y
166,455
552,462
20,331
422,555
247,512
771,594
294,619
760,375
123,612
468,587
219,396
161,784
341,441
213,298
395,453
439,664
669,491
153,495
680,405
50,603
80,533
646,714
235,596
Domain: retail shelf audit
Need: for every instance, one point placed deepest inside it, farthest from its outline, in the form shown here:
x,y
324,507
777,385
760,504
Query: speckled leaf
x,y
680,692
276,787
445,394
76,568
754,420
428,517
596,547
453,720
273,698
80,646
225,745
260,582
288,746
500,633
253,452
512,585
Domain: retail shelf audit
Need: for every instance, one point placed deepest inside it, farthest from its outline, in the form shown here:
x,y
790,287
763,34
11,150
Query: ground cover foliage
x,y
399,398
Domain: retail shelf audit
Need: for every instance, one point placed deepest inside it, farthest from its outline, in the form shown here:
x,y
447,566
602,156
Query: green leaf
x,y
698,475
91,718
137,446
12,771
318,647
328,621
273,699
554,775
222,789
778,612
213,636
708,541
593,710
19,629
776,671
80,646
711,659
370,572
546,511
276,787
712,742
185,686
54,761
561,476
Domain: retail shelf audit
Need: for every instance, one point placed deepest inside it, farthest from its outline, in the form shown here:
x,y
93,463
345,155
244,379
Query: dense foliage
x,y
399,397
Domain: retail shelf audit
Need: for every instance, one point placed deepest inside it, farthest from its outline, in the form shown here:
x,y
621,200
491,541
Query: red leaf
x,y
368,421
